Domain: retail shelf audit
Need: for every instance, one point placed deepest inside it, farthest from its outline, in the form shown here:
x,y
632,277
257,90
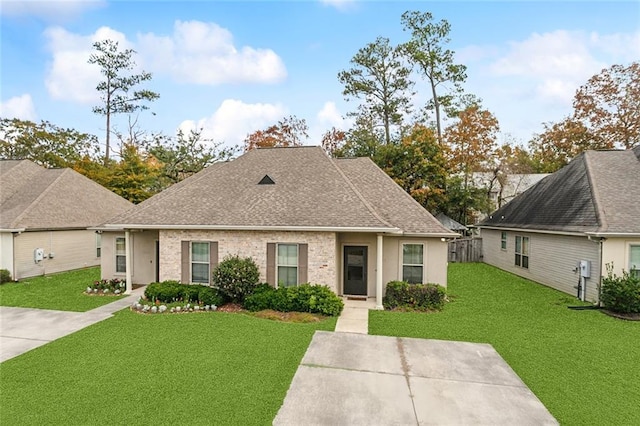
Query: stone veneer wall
x,y
321,255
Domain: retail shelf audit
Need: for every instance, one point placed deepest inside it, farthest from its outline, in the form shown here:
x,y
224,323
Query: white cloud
x,y
234,120
204,53
51,11
341,5
18,107
70,76
329,116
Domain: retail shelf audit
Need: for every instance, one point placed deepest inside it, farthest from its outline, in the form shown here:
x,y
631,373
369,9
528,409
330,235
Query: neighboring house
x,y
449,223
587,211
302,216
44,216
503,188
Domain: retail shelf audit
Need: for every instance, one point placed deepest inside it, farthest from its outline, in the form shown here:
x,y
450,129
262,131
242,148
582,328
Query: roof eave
x,y
12,230
613,234
122,227
535,231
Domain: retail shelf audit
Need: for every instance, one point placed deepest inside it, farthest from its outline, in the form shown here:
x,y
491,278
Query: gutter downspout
x,y
379,248
127,256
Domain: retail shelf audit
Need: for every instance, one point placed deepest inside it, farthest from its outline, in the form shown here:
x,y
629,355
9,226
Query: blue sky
x,y
235,67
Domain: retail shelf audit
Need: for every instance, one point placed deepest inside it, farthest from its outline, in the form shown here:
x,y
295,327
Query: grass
x,y
63,292
208,368
583,365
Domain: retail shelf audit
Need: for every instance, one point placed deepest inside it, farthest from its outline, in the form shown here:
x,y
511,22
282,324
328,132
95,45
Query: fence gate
x,y
465,250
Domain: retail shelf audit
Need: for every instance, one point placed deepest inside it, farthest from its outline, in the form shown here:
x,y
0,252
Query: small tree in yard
x,y
236,277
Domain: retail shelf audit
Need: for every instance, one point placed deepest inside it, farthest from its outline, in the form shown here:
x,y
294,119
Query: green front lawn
x,y
63,292
583,365
207,368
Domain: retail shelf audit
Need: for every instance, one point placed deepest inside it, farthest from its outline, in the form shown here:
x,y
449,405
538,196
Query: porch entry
x,y
355,270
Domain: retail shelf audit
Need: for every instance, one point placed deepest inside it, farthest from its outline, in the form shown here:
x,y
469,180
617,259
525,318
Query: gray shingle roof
x,y
310,191
32,197
597,192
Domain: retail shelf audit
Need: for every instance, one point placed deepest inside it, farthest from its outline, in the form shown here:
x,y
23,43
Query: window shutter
x,y
185,276
213,256
271,264
303,261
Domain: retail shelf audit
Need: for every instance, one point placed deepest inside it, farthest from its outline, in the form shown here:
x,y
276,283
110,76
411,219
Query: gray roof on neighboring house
x,y
311,190
32,197
598,192
450,223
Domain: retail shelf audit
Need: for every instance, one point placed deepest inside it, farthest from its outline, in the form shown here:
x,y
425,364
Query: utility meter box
x,y
38,255
584,266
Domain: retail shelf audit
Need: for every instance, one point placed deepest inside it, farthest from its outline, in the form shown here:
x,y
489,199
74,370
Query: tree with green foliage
x,y
380,78
44,143
117,89
427,49
134,176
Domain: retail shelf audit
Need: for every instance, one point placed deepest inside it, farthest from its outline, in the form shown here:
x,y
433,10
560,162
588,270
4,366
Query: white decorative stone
x,y
214,308
105,291
196,308
207,307
117,291
173,310
88,289
162,308
95,290
178,309
154,309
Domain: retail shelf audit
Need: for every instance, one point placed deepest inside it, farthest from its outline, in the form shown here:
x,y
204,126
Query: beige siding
x,y
321,255
143,256
435,258
6,251
64,251
616,252
552,259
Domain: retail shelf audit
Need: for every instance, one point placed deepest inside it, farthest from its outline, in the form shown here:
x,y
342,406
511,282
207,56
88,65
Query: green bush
x,y
621,294
5,276
236,278
419,297
311,298
173,291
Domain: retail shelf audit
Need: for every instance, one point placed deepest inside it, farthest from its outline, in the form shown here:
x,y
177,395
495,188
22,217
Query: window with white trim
x,y
287,265
634,260
121,255
503,240
522,251
413,263
200,262
98,244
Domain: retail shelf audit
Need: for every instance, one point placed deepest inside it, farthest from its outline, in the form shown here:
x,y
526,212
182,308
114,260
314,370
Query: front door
x,y
355,270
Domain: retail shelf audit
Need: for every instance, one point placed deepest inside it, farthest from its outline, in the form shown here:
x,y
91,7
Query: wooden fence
x,y
465,250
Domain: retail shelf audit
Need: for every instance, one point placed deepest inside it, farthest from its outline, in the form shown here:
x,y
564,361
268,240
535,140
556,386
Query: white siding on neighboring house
x,y
552,259
63,251
6,251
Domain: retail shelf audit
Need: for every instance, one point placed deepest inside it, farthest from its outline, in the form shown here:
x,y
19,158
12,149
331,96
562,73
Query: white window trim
x,y
401,259
98,245
191,262
528,255
629,266
277,266
115,251
504,240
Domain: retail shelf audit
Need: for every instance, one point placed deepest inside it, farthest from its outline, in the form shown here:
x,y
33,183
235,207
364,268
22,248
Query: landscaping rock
x,y
88,289
154,309
178,309
162,308
207,307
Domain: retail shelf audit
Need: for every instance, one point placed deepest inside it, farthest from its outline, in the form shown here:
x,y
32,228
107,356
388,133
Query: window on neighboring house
x,y
413,263
121,258
287,265
634,260
98,245
522,251
503,240
200,259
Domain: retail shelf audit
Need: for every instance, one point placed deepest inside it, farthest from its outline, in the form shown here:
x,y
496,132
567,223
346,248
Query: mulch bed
x,y
628,317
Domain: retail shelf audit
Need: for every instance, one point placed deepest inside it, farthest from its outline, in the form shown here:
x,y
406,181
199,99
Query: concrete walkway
x,y
23,329
355,316
352,379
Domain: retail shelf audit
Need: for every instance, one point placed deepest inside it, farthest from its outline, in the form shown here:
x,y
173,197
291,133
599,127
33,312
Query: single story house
x,y
449,223
302,216
44,216
568,228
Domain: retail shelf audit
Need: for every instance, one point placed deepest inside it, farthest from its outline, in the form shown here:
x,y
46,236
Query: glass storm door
x,y
355,270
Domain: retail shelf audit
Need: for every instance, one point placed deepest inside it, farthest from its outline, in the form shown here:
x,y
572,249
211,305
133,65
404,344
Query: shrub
x,y
621,294
311,298
173,291
419,297
5,276
236,278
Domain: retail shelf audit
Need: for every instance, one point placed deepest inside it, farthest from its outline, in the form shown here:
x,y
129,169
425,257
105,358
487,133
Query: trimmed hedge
x,y
418,297
174,291
621,294
313,298
236,277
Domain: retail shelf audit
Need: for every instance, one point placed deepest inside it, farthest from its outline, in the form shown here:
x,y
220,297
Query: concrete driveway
x,y
354,379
